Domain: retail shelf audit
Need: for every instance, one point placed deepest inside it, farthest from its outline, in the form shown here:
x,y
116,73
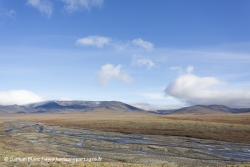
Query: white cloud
x,y
144,44
18,97
73,5
44,6
109,72
97,41
201,90
142,62
101,41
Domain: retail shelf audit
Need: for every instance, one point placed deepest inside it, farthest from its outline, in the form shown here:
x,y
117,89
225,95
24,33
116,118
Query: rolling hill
x,y
203,109
83,106
66,106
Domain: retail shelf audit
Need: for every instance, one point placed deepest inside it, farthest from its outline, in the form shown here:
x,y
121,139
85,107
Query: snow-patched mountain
x,y
83,106
67,106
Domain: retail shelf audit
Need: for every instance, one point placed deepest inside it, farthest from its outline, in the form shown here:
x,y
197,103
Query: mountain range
x,y
66,106
83,106
205,109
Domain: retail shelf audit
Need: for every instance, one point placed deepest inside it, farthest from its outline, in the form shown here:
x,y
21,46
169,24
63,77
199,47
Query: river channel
x,y
133,148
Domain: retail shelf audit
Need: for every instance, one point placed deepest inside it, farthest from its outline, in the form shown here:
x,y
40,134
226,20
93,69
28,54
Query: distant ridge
x,y
84,106
203,109
66,106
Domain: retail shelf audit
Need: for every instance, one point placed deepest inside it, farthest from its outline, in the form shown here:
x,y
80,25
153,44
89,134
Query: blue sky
x,y
152,54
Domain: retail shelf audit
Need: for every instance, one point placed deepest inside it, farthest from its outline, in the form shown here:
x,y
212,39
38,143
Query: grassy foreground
x,y
234,128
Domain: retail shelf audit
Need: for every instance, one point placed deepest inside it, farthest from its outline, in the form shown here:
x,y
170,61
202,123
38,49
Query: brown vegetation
x,y
222,118
229,127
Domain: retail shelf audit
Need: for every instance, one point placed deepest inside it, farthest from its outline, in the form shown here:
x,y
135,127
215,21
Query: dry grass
x,y
226,118
82,164
235,128
228,127
239,165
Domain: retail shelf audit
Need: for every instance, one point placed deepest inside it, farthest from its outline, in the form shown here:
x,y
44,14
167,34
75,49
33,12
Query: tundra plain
x,y
123,138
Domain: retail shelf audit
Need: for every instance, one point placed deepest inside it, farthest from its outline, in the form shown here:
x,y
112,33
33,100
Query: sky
x,y
162,54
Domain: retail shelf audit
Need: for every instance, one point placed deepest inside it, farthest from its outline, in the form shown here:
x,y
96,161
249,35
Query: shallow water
x,y
79,143
228,153
40,128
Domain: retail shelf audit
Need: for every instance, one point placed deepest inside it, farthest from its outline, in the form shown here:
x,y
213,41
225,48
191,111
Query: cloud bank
x,y
74,5
44,6
18,97
109,72
201,90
